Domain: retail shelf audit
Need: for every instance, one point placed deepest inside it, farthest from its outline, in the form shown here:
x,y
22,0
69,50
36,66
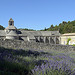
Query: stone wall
x,y
64,38
18,44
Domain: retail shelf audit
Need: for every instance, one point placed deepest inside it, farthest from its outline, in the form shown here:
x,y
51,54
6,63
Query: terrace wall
x,y
18,44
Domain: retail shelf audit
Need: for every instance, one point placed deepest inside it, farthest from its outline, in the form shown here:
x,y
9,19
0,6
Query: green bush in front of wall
x,y
69,39
73,44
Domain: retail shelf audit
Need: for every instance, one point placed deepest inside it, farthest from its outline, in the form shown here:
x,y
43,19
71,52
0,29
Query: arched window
x,y
10,23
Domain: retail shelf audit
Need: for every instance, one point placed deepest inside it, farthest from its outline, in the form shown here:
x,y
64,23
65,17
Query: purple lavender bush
x,y
31,62
64,66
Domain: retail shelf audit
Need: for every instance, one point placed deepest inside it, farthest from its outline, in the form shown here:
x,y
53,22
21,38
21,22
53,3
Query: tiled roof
x,y
12,33
11,27
2,33
68,34
39,33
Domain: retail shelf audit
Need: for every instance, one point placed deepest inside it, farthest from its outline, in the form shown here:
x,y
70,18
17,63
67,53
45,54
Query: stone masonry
x,y
18,44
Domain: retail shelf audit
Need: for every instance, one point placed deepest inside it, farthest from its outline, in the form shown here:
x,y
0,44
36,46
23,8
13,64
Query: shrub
x,y
73,44
68,41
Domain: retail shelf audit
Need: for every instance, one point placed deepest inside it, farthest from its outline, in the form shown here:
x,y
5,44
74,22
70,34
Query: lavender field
x,y
34,62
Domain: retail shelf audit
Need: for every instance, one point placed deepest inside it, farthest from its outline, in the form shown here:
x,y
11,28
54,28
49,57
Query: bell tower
x,y
11,22
11,26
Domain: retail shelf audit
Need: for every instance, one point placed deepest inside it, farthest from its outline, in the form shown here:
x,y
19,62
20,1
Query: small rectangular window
x,y
52,34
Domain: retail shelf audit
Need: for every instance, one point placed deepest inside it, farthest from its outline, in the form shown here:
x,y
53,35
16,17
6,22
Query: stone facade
x,y
11,32
64,38
50,37
19,44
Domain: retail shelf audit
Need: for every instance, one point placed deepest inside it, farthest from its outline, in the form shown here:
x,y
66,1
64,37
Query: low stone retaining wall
x,y
18,44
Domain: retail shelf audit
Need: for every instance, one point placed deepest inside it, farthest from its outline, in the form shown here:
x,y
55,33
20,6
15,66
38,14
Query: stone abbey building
x,y
11,32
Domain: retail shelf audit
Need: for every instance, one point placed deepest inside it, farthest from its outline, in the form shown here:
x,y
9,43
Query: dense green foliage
x,y
68,41
73,44
64,27
1,27
26,29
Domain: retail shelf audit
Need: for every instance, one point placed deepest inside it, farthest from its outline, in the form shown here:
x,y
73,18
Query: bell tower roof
x,y
11,22
11,25
11,19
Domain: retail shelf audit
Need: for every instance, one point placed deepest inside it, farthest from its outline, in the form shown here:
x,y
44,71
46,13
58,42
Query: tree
x,y
64,27
45,29
69,39
52,27
1,27
56,27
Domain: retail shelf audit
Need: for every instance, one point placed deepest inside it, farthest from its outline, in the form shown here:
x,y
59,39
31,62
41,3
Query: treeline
x,y
64,27
2,28
26,29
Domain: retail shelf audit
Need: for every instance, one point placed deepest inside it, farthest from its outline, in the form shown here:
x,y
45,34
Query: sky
x,y
36,14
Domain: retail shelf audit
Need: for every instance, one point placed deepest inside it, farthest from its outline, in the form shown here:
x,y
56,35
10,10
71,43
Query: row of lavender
x,y
56,65
41,62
